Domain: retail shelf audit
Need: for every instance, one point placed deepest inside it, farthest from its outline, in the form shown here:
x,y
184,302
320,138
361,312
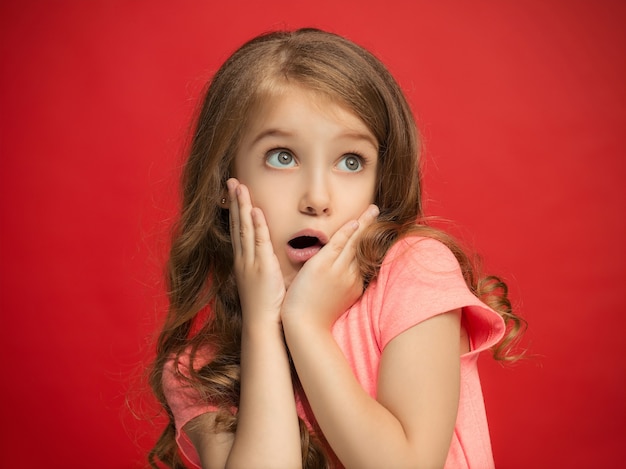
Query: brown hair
x,y
200,264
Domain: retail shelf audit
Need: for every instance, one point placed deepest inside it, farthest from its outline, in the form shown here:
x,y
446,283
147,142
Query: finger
x,y
235,238
338,241
262,241
368,217
246,227
365,220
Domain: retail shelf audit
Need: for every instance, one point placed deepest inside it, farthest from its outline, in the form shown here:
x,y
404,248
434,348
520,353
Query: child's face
x,y
311,167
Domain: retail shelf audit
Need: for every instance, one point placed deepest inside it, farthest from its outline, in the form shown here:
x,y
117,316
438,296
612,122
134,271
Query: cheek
x,y
273,211
256,190
272,195
361,195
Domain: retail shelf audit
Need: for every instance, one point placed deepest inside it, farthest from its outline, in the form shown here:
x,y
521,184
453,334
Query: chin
x,y
288,281
288,278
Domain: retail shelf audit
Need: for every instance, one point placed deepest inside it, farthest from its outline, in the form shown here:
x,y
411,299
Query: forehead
x,y
295,108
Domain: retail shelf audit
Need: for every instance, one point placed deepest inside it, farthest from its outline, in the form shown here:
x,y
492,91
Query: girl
x,y
315,319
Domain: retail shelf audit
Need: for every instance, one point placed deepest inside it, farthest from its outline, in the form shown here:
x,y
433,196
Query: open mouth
x,y
305,245
303,242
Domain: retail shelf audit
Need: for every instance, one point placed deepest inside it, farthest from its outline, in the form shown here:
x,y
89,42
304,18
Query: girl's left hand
x,y
330,282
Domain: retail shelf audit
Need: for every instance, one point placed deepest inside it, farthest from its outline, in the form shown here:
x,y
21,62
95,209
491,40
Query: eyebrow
x,y
353,135
271,133
356,135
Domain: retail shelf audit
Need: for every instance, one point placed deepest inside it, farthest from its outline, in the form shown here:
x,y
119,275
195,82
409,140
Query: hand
x,y
330,282
257,271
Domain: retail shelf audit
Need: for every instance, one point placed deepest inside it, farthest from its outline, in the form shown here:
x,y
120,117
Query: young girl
x,y
315,319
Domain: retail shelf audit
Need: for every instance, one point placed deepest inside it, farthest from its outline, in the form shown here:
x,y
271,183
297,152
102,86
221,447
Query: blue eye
x,y
351,163
280,159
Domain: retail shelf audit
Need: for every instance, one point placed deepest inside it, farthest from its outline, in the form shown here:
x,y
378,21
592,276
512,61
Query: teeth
x,y
302,242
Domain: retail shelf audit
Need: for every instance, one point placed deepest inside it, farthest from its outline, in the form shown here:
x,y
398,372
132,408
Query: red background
x,y
523,110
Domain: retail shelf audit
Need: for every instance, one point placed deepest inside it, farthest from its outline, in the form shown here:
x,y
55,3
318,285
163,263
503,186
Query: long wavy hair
x,y
200,273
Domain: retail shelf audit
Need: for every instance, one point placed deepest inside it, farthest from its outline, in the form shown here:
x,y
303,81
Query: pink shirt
x,y
419,279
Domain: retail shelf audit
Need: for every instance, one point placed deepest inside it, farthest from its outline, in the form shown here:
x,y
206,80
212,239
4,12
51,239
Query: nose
x,y
316,195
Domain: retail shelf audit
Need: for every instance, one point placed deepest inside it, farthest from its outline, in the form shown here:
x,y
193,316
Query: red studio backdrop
x,y
522,106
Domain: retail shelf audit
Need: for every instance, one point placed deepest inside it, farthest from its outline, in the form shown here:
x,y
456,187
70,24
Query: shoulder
x,y
190,407
428,249
184,400
421,278
415,258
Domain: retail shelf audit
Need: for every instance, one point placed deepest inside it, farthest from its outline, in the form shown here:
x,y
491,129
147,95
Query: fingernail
x,y
355,225
374,211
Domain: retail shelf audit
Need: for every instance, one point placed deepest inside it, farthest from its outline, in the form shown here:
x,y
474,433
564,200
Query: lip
x,y
299,256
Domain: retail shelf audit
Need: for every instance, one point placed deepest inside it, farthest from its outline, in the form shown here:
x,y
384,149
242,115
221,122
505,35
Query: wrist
x,y
308,323
262,328
259,317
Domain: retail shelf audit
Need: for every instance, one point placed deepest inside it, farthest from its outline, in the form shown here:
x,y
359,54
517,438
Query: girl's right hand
x,y
257,271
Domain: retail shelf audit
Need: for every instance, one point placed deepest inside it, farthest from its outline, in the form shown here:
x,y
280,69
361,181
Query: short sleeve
x,y
421,278
184,401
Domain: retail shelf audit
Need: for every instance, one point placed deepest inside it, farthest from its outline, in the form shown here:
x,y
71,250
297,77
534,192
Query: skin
x,y
297,169
329,175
